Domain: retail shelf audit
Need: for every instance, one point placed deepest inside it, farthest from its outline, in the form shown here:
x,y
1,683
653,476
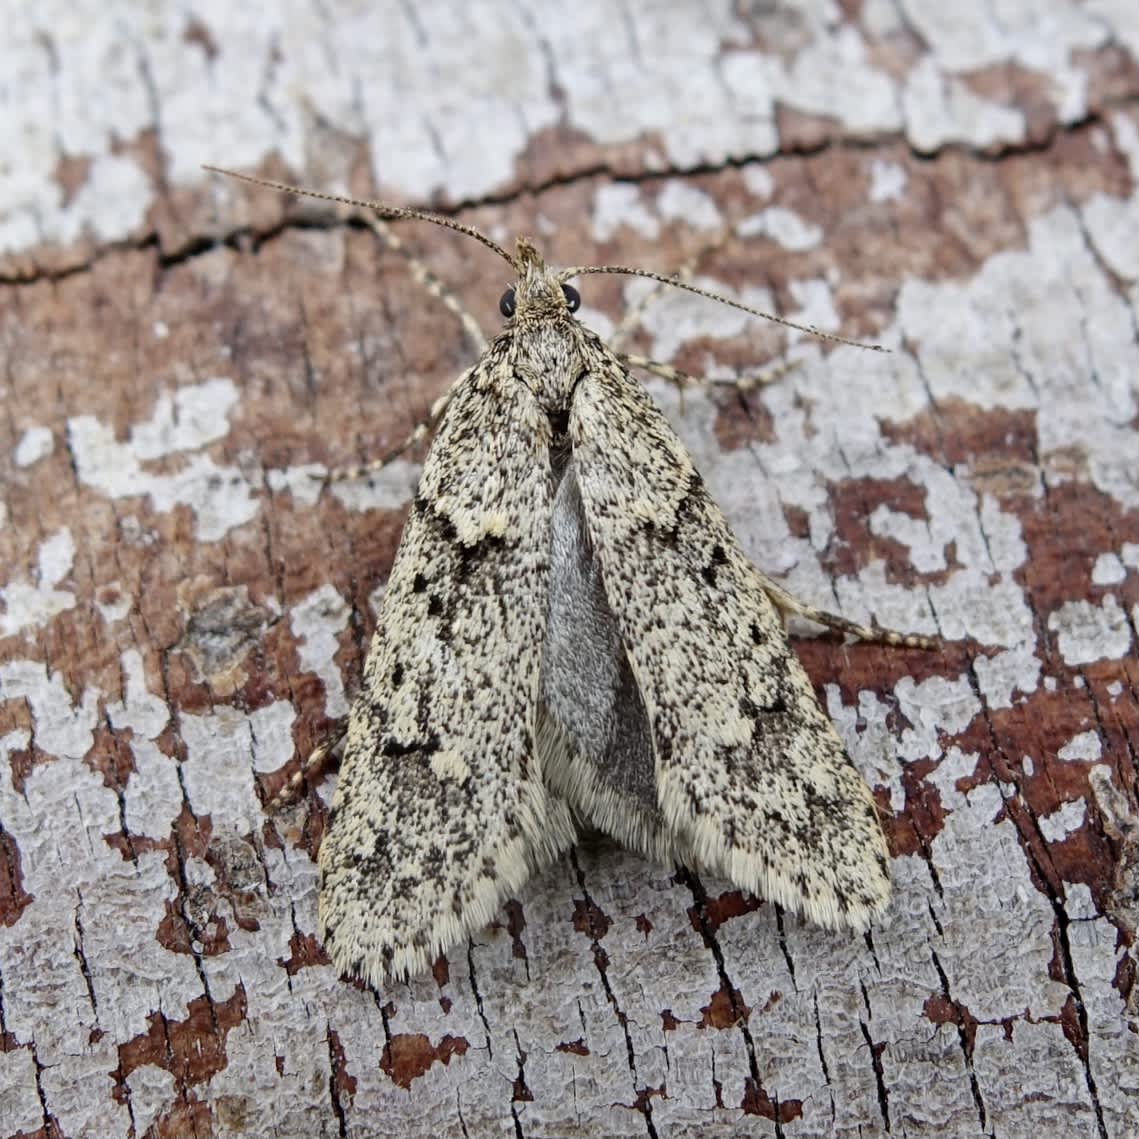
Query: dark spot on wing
x,y
475,557
684,507
716,559
394,747
776,706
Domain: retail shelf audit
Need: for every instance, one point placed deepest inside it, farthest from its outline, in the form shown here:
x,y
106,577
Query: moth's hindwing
x,y
594,735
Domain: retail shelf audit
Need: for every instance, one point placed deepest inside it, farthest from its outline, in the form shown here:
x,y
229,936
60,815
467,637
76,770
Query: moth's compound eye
x,y
573,298
506,303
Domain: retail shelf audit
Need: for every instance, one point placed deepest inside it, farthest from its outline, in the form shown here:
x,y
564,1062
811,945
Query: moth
x,y
570,637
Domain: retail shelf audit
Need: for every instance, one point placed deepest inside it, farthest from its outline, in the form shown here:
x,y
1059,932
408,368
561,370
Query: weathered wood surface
x,y
181,614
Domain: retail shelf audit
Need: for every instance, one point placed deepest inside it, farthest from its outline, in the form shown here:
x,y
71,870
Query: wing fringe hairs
x,y
570,636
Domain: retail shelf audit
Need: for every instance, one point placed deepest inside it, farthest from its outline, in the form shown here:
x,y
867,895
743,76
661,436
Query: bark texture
x,y
182,614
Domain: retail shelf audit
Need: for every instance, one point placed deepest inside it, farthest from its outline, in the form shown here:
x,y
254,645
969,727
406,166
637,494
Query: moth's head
x,y
540,292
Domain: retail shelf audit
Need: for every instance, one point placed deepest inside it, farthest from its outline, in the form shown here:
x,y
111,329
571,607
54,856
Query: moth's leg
x,y
418,433
636,310
437,289
311,767
790,605
430,283
683,381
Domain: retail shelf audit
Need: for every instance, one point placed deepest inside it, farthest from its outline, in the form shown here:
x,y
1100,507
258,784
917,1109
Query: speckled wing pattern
x,y
440,811
751,780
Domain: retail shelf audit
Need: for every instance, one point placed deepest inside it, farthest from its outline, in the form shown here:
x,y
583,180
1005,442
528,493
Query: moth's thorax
x,y
548,360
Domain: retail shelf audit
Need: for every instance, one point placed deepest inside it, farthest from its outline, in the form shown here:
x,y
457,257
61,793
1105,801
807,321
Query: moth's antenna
x,y
382,209
581,270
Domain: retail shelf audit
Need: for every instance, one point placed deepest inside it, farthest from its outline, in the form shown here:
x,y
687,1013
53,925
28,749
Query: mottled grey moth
x,y
571,636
